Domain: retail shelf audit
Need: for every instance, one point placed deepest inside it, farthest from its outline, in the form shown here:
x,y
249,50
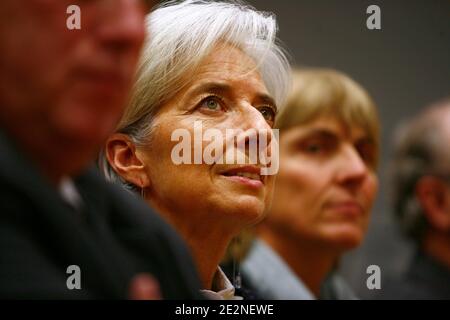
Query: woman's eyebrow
x,y
320,132
215,87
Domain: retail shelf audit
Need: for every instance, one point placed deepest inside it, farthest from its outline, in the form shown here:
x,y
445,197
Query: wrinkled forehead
x,y
225,59
225,65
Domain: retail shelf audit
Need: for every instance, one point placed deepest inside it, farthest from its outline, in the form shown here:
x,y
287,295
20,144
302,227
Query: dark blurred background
x,y
405,66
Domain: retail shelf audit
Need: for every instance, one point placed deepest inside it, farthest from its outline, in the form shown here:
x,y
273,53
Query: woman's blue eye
x,y
212,104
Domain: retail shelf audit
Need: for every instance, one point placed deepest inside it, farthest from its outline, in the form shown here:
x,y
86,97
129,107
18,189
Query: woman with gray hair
x,y
208,68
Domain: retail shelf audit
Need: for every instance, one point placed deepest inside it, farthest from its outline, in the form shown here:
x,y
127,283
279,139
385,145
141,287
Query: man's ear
x,y
434,197
121,154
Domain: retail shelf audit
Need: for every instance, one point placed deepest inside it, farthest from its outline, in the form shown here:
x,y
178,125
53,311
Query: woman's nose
x,y
352,169
256,133
253,119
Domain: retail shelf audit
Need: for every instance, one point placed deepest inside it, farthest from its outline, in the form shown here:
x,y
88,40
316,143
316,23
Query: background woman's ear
x,y
123,157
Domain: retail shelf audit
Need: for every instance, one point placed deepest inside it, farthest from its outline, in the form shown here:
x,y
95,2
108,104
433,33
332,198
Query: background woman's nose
x,y
352,169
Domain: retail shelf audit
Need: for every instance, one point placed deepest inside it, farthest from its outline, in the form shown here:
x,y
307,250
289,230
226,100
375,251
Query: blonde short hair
x,y
327,92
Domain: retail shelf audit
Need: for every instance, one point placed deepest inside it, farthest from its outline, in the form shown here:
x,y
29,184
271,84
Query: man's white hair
x,y
181,35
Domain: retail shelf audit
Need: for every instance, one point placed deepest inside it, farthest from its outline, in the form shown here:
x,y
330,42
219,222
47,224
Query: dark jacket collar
x,y
72,237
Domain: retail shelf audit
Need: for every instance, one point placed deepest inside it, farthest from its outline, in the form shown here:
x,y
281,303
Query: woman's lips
x,y
346,208
246,181
247,175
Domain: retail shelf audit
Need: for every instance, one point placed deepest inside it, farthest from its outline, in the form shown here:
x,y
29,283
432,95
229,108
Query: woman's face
x,y
226,92
326,183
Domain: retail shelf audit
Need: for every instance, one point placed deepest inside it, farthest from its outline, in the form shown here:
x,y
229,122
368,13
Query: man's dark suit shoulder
x,y
112,239
142,230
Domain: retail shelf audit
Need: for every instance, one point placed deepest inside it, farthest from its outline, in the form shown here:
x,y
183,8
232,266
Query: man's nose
x,y
123,26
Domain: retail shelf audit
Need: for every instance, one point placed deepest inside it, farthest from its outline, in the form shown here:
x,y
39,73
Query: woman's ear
x,y
121,154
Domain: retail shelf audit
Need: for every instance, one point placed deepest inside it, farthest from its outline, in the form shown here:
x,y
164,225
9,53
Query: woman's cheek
x,y
269,193
372,189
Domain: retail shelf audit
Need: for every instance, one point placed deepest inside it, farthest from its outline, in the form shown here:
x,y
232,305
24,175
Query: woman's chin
x,y
347,239
344,237
248,208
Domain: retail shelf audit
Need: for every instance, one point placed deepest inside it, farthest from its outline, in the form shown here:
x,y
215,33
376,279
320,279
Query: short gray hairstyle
x,y
417,152
182,34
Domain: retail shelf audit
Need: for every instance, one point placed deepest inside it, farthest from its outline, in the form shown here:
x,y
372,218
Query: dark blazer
x,y
425,279
112,238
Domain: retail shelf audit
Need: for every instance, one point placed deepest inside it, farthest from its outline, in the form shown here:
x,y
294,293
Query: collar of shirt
x,y
272,278
222,289
70,194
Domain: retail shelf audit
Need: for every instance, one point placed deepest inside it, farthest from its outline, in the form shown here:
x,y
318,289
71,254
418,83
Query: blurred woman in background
x,y
329,145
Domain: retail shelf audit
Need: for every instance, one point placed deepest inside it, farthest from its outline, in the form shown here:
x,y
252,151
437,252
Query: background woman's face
x,y
326,184
226,92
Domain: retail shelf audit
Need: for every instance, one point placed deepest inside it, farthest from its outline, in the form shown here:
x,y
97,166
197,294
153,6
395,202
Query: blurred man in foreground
x,y
61,93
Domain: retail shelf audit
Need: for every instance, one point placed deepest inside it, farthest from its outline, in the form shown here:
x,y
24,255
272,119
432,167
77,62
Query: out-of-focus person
x,y
327,182
64,232
213,65
420,173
